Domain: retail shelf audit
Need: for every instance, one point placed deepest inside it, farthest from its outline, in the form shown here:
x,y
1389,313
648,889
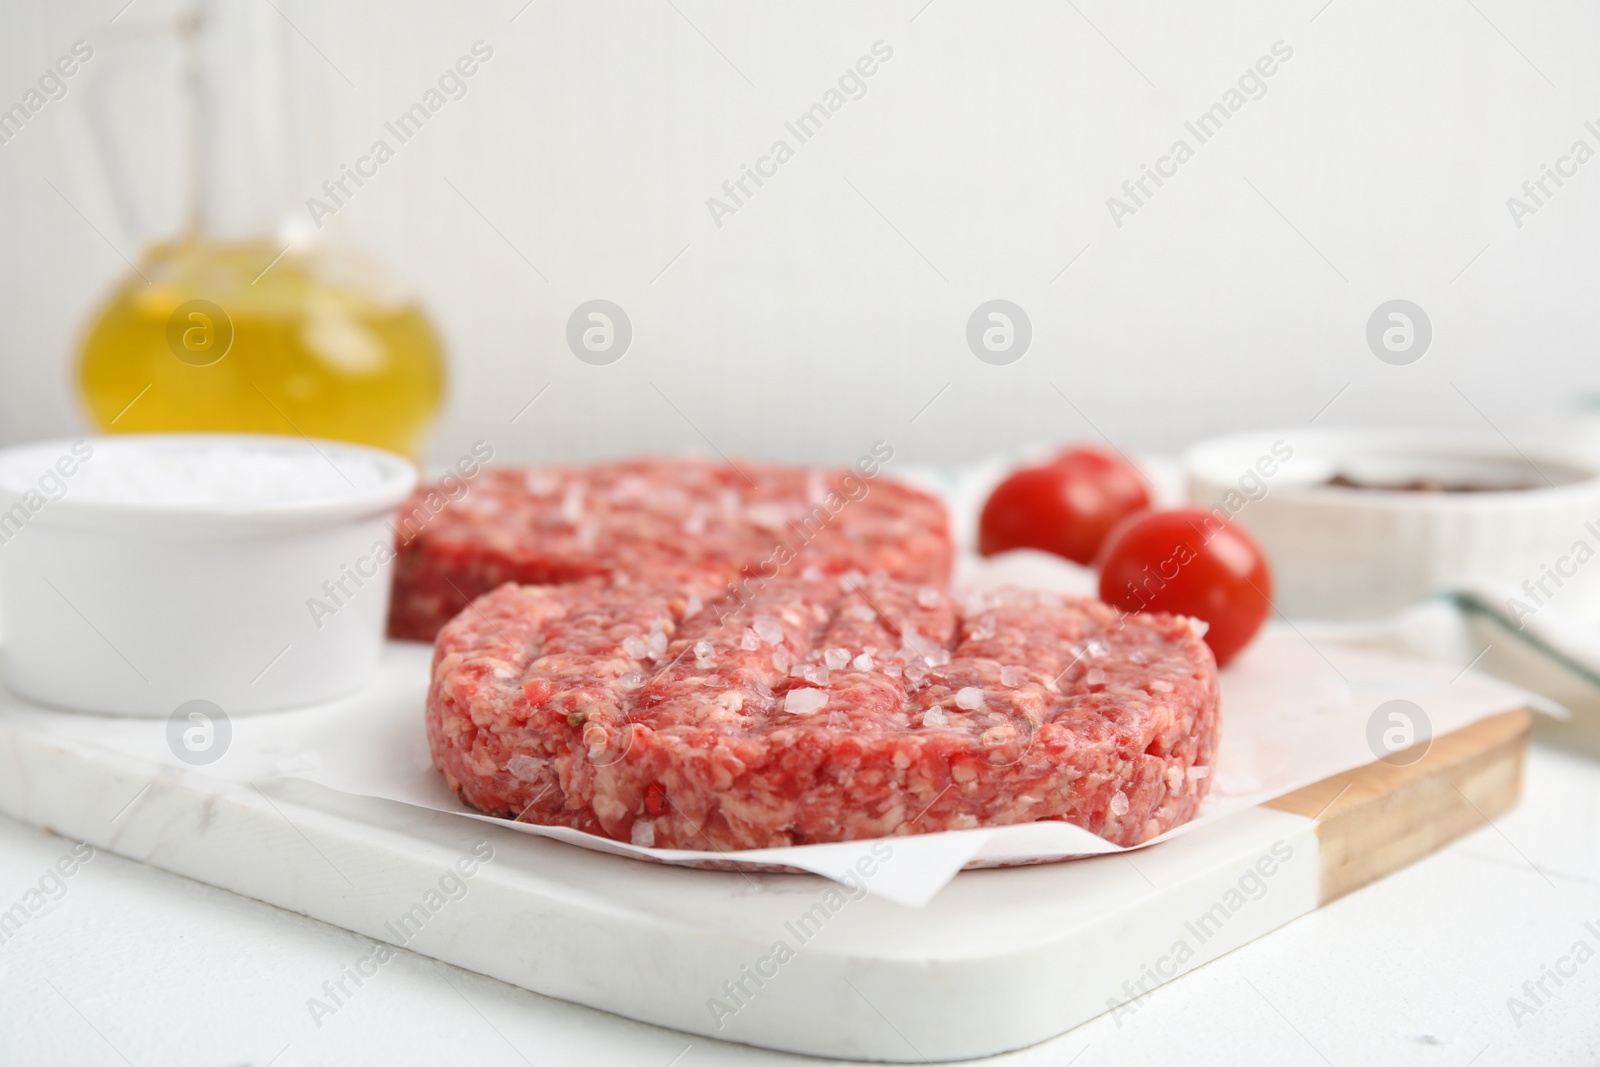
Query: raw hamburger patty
x,y
823,711
552,525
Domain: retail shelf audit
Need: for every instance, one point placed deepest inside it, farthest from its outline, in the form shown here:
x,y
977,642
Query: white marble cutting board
x,y
998,960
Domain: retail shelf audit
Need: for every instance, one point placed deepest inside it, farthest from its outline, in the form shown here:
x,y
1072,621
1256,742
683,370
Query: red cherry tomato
x,y
1066,507
1190,562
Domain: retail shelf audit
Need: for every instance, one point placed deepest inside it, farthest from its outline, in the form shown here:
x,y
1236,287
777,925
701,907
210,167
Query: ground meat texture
x,y
824,709
552,525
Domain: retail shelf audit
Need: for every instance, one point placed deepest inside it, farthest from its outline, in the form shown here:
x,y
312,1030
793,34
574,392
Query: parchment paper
x,y
1293,712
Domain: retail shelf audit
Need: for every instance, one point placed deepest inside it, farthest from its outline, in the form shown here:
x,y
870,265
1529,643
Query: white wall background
x,y
832,308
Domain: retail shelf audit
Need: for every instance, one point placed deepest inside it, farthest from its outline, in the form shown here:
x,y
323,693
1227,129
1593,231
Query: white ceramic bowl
x,y
1345,553
141,572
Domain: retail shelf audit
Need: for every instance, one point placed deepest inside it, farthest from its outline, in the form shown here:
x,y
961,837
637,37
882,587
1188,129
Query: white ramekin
x,y
1345,553
128,601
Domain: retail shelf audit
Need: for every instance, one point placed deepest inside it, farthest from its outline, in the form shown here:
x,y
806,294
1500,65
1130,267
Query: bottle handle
x,y
108,155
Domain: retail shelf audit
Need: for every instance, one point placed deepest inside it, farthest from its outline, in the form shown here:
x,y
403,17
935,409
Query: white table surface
x,y
133,965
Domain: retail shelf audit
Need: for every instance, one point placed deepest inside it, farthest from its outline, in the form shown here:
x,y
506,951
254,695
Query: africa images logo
x,y
199,732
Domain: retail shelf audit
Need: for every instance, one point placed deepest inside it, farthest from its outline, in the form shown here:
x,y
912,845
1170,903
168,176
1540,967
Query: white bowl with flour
x,y
141,572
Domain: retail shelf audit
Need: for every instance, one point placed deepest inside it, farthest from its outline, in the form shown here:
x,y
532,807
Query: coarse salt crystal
x,y
668,499
643,834
859,613
572,504
631,680
692,608
862,662
928,597
812,573
657,645
635,647
630,487
1119,804
768,629
766,516
810,672
892,670
1094,676
836,658
935,717
702,653
1198,771
851,580
804,701
523,768
970,698
749,642
1010,677
782,659
816,488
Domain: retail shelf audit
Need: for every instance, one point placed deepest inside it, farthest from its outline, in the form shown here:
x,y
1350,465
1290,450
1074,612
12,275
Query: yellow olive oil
x,y
236,337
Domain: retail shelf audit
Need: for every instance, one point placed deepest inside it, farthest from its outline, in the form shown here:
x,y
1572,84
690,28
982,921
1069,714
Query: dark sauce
x,y
1423,485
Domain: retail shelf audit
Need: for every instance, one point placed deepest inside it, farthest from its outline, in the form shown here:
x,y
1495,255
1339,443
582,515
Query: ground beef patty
x,y
826,709
549,525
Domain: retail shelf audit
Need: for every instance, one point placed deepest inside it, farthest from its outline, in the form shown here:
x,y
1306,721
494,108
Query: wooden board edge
x,y
1376,819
